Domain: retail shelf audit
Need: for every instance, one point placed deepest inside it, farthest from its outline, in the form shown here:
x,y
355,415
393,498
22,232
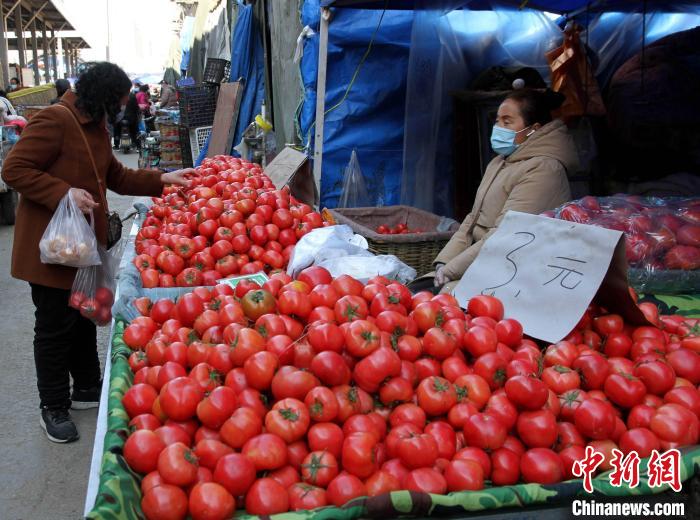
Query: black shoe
x,y
86,399
58,425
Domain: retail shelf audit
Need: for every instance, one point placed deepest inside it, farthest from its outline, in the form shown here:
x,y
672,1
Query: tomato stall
x,y
279,395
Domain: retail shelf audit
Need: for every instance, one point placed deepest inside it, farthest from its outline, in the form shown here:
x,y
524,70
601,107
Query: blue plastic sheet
x,y
186,34
371,119
248,64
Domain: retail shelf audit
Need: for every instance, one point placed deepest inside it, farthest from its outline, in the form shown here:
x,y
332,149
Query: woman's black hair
x,y
3,93
144,88
536,105
100,89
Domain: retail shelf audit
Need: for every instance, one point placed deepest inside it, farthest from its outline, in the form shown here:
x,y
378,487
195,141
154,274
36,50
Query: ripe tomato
x,y
267,451
624,390
266,497
142,449
217,407
675,424
640,440
560,378
344,488
526,392
484,431
303,497
436,396
177,464
505,465
376,367
537,429
319,468
326,436
292,382
483,305
189,306
322,404
472,388
139,399
165,502
593,370
243,425
492,367
541,466
464,475
359,454
595,419
289,419
235,472
426,480
179,398
350,308
210,500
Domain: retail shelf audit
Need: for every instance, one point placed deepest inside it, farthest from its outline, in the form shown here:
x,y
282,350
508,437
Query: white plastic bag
x,y
326,242
363,268
94,286
69,239
354,191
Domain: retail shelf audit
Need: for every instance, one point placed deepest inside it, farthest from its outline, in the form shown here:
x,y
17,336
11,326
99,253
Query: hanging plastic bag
x,y
94,286
69,240
354,192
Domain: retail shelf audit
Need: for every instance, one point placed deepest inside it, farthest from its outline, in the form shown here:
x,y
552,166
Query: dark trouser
x,y
65,344
133,130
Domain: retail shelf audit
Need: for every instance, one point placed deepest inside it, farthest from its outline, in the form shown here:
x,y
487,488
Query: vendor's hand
x,y
83,199
440,277
177,177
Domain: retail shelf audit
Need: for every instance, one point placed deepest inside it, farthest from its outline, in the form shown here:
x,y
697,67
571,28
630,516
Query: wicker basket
x,y
415,249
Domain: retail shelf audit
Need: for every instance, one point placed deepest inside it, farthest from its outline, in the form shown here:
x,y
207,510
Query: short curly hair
x,y
100,88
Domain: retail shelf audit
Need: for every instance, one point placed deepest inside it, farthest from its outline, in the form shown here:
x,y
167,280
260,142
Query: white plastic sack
x,y
365,267
325,243
68,239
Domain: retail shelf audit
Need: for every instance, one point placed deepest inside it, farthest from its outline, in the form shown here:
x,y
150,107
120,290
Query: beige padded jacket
x,y
533,179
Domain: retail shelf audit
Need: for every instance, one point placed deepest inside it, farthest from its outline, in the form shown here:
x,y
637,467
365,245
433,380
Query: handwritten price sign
x,y
547,272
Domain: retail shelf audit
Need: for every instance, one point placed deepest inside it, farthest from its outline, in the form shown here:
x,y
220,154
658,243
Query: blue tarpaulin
x,y
371,119
248,65
186,35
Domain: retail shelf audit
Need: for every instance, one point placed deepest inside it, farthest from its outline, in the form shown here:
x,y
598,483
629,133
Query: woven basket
x,y
41,95
415,249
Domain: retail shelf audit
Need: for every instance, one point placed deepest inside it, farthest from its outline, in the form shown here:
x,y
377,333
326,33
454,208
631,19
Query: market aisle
x,y
38,479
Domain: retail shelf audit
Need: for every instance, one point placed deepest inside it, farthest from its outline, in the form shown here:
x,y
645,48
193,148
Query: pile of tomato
x,y
230,220
311,392
398,229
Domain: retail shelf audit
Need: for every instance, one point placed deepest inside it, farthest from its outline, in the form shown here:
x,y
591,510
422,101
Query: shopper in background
x,y
8,114
14,84
129,117
143,97
62,86
168,96
529,174
49,161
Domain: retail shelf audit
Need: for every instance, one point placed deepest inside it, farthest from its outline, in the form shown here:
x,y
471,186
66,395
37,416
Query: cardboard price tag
x,y
547,271
291,167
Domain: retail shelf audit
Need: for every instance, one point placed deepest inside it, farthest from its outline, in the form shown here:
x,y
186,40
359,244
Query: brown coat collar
x,y
69,99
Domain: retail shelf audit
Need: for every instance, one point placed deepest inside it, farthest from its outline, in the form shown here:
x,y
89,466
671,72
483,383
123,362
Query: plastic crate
x,y
217,70
198,138
197,105
185,147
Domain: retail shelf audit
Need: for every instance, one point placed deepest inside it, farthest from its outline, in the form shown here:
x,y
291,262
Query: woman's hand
x,y
177,177
440,277
83,199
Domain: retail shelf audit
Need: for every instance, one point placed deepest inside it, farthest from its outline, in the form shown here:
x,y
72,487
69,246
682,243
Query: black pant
x,y
65,343
133,129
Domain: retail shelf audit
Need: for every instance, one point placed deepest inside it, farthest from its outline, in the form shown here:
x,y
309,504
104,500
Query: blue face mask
x,y
503,140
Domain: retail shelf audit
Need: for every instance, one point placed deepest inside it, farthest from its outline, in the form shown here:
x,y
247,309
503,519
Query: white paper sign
x,y
545,271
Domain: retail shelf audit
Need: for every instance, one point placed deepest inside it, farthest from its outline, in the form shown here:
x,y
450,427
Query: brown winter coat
x,y
533,179
48,160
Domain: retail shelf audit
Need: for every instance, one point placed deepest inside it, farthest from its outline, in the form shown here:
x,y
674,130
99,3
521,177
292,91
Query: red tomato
x,y
624,390
326,436
266,497
177,464
595,419
319,468
359,454
210,500
526,392
464,475
426,480
483,305
344,488
165,502
537,429
267,451
436,396
142,449
541,466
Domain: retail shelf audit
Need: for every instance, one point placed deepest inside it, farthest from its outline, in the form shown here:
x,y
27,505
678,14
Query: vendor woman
x,y
528,175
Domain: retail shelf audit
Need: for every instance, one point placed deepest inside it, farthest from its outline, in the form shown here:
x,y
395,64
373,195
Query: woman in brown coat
x,y
50,160
529,174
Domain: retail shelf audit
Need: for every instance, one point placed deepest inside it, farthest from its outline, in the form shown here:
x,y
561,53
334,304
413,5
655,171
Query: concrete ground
x,y
38,479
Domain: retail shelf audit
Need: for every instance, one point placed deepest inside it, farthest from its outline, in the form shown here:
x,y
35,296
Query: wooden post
x,y
4,60
54,57
19,33
35,54
45,47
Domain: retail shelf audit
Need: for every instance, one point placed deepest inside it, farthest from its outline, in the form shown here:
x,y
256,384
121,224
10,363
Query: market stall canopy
x,y
41,10
552,6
